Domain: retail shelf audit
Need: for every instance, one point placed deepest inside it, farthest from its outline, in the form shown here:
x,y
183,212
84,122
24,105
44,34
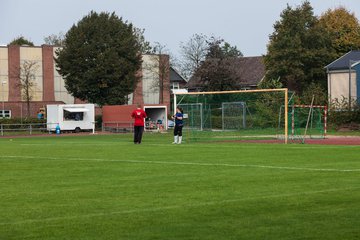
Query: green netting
x,y
232,116
306,122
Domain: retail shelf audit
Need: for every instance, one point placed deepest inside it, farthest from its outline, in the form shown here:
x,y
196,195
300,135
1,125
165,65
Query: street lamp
x,y
3,98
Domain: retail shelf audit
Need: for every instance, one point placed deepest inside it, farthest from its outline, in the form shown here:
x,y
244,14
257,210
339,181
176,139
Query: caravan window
x,y
73,116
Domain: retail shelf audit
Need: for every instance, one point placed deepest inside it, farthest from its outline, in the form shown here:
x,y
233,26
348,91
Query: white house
x,y
344,77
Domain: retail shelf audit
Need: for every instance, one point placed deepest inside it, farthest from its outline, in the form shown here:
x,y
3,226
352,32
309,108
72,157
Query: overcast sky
x,y
244,23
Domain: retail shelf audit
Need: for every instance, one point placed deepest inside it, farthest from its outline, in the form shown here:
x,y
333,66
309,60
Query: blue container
x,y
57,129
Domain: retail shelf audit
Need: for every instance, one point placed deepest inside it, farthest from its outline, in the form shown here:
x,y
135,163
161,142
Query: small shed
x,y
343,77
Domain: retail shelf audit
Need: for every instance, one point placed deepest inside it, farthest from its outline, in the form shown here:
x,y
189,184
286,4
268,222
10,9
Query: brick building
x,y
49,87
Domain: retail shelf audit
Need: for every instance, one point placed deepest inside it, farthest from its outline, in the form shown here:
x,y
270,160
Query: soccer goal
x,y
244,115
233,115
195,115
307,121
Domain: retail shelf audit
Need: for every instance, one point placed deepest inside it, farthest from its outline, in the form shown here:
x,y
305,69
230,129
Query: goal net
x,y
307,121
247,115
233,115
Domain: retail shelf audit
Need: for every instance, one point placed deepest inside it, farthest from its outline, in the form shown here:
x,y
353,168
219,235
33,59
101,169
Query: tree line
x,y
100,56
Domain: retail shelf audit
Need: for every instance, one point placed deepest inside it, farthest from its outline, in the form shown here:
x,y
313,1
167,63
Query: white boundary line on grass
x,y
164,208
188,163
189,145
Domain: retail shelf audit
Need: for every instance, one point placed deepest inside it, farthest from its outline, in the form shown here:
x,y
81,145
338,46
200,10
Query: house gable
x,y
344,77
176,78
343,63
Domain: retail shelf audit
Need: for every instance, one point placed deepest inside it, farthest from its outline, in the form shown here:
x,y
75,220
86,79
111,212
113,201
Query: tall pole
x,y
352,63
175,103
350,84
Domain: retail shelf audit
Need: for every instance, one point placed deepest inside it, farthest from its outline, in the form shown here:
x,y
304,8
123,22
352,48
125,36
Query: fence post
x,y
2,131
30,128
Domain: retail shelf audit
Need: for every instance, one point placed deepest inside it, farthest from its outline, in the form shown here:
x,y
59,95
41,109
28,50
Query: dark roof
x,y
175,76
343,62
250,71
253,70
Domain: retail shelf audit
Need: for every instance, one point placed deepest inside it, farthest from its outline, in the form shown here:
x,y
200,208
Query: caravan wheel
x,y
77,129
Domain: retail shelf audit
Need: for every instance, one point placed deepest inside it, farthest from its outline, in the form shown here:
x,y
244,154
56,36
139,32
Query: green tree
x,y
298,49
100,59
270,83
218,48
145,47
218,75
314,90
199,48
21,41
344,29
219,71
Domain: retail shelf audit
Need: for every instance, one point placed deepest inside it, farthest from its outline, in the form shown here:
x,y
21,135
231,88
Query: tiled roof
x,y
175,76
343,63
250,71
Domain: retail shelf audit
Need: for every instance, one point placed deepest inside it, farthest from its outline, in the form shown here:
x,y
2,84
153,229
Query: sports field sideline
x,y
106,187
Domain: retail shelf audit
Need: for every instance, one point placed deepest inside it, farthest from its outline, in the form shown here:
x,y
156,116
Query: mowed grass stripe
x,y
182,163
165,208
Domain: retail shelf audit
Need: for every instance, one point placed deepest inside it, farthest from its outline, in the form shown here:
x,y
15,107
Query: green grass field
x,y
105,187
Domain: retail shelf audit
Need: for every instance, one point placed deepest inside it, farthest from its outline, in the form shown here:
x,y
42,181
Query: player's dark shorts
x,y
178,130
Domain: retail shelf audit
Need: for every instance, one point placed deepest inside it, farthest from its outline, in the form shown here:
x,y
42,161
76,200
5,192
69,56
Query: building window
x,y
175,85
5,113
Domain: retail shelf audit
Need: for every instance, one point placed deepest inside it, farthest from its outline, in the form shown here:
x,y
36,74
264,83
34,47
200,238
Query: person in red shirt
x,y
138,115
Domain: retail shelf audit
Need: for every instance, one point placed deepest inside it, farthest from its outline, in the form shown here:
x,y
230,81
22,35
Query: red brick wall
x,y
19,109
117,115
14,73
48,73
164,60
138,91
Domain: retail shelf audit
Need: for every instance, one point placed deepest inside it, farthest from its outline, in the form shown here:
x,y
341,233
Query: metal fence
x,y
117,127
32,128
20,128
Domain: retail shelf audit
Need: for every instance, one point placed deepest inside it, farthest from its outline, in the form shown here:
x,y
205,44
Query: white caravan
x,y
71,117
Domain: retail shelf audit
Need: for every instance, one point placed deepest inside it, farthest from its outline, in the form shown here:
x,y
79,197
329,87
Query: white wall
x,y
338,85
33,55
61,94
150,72
4,88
